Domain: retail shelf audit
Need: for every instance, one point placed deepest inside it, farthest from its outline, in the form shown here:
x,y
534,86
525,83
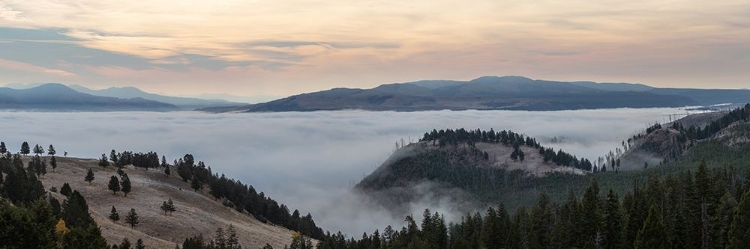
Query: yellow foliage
x,y
296,234
61,227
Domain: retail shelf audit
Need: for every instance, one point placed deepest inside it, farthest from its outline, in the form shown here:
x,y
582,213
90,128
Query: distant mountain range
x,y
132,92
495,93
58,97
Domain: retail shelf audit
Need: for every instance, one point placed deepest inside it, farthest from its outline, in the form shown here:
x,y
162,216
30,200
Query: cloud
x,y
329,44
20,66
310,161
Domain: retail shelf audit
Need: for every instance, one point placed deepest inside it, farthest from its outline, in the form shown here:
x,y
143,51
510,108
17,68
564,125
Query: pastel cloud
x,y
364,43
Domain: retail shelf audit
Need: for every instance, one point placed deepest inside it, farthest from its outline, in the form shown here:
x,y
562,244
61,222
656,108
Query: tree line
x,y
506,137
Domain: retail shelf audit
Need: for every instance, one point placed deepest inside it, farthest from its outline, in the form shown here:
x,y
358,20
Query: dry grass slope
x,y
197,213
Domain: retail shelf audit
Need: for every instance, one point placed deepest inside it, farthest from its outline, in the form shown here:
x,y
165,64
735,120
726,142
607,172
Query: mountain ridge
x,y
494,93
58,97
186,103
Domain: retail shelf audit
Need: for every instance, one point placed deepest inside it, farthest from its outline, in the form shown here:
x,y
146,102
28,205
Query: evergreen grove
x,y
705,209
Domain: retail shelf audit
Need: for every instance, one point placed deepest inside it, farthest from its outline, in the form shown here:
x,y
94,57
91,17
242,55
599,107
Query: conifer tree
x,y
125,184
132,218
612,222
53,163
103,161
113,156
114,185
3,148
89,176
25,149
170,206
113,215
125,244
166,170
592,217
652,235
66,190
739,233
38,150
51,150
139,244
196,184
76,211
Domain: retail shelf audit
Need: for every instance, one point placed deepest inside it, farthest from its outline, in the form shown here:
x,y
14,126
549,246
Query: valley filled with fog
x,y
310,160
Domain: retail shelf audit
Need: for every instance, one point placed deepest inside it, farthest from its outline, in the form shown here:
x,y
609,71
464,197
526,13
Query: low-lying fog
x,y
309,161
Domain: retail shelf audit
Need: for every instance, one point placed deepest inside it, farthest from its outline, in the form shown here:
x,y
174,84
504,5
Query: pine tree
x,y
132,218
113,156
652,235
114,185
739,231
125,184
113,215
3,148
592,218
38,150
612,222
170,206
51,150
89,176
139,244
166,170
196,184
76,211
103,161
53,163
125,244
25,149
164,207
66,190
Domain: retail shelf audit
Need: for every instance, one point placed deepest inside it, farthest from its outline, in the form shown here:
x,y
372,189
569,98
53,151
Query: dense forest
x,y
704,209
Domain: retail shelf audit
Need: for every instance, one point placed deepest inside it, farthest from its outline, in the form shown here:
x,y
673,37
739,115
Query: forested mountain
x,y
57,97
700,198
469,163
495,93
704,209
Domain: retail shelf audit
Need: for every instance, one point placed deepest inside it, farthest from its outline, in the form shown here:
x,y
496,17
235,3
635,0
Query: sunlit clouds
x,y
287,47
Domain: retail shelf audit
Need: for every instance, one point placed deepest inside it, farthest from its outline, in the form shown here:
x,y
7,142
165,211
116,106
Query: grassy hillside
x,y
197,213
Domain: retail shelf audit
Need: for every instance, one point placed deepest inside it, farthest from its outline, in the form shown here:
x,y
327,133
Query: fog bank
x,y
309,161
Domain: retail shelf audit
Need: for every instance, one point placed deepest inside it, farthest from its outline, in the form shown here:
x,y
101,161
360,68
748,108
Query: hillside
x,y
494,93
57,97
482,165
450,167
197,213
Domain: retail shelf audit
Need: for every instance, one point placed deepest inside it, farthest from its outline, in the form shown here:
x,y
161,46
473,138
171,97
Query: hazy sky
x,y
266,47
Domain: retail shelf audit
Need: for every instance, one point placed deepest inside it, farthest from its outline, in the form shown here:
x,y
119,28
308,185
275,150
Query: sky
x,y
280,48
311,160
